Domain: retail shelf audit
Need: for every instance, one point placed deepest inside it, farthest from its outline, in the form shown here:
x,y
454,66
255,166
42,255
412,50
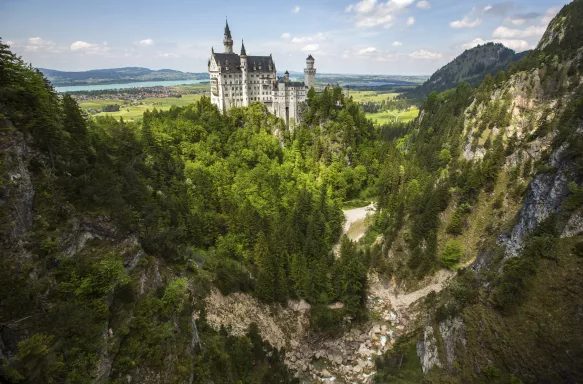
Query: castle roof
x,y
243,52
227,31
310,57
234,61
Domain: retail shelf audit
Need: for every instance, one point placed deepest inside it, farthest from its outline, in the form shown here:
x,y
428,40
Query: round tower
x,y
228,40
310,72
244,75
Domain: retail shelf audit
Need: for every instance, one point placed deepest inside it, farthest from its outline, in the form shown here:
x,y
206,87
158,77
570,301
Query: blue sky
x,y
406,37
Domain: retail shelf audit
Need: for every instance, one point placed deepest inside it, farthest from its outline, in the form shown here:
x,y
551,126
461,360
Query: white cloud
x,y
423,4
397,44
410,21
426,55
296,9
285,35
508,33
516,44
466,22
367,50
168,54
9,43
304,39
146,42
85,47
35,44
311,48
549,15
80,45
517,21
487,8
372,13
301,39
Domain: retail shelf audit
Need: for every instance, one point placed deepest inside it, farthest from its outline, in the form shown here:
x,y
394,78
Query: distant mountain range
x,y
117,76
471,66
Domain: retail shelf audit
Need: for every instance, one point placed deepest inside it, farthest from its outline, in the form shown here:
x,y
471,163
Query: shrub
x,y
451,254
326,320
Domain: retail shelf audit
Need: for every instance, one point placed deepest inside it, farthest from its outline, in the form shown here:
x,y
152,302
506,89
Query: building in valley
x,y
240,80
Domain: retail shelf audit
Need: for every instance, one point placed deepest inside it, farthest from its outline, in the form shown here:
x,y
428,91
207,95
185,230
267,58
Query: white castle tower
x,y
228,40
310,72
244,75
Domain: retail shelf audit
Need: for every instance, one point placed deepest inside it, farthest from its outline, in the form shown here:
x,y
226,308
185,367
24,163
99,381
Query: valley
x,y
256,230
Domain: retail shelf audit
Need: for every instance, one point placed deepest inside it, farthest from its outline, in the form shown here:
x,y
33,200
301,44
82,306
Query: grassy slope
x,y
530,342
366,96
388,116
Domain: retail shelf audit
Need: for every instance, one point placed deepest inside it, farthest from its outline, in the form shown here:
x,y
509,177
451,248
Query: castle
x,y
239,80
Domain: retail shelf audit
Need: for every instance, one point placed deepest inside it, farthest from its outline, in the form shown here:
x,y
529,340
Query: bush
x,y
327,321
451,254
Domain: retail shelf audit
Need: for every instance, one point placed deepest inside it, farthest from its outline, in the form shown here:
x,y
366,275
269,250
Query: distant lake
x,y
141,84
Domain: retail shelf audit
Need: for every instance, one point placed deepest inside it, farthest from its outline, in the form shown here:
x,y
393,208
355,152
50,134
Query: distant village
x,y
131,96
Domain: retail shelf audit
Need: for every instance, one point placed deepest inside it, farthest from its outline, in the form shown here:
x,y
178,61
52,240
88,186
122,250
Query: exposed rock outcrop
x,y
574,226
452,332
16,188
545,196
427,350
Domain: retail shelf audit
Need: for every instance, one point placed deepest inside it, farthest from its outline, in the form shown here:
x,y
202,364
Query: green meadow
x,y
135,112
366,96
388,116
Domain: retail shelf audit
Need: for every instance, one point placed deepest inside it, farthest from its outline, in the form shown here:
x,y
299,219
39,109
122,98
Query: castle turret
x,y
286,75
310,72
228,40
244,75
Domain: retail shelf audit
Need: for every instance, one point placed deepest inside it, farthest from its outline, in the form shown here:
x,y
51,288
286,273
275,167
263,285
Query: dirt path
x,y
401,301
355,227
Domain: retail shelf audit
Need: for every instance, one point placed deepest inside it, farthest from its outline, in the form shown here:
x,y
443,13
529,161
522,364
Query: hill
x,y
117,75
471,66
492,189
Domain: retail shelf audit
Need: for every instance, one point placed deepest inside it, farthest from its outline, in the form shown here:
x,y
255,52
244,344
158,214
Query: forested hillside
x,y
489,183
116,76
470,67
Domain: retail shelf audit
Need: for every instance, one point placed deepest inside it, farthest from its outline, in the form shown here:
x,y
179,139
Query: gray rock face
x,y
17,193
452,331
427,350
574,226
545,196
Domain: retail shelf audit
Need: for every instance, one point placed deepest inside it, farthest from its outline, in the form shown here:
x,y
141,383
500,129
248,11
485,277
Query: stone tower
x,y
310,72
244,74
228,40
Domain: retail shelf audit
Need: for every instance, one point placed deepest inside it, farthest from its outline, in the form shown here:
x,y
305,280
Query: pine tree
x,y
281,281
300,274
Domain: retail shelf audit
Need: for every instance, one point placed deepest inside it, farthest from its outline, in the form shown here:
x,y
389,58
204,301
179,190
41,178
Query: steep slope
x,y
508,217
116,75
471,67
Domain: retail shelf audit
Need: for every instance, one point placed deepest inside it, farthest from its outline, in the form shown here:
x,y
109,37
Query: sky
x,y
393,37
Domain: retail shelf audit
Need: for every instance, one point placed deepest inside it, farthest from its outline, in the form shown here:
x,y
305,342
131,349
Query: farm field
x,y
135,112
366,96
388,116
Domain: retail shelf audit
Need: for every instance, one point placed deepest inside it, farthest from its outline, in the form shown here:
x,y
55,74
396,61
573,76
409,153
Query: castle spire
x,y
228,40
243,52
227,30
